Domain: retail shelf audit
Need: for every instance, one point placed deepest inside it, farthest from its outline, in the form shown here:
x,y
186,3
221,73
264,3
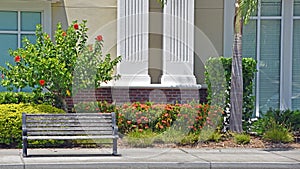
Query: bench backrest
x,y
71,124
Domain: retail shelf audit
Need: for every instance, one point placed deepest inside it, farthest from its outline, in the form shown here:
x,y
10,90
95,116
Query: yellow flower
x,y
68,93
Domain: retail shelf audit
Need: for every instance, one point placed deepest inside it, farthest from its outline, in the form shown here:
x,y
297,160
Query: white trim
x,y
282,90
178,45
258,62
19,29
287,48
132,42
228,27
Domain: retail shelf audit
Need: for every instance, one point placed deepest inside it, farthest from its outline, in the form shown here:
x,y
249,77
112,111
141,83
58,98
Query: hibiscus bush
x,y
62,65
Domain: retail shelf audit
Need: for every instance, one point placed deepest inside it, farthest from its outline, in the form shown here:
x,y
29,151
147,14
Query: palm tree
x,y
243,10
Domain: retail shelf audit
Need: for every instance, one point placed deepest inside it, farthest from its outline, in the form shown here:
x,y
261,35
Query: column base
x,y
133,80
178,80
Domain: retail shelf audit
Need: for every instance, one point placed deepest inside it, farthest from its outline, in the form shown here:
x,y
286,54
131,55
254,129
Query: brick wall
x,y
120,95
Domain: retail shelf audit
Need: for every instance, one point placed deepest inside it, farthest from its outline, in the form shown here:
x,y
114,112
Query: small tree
x,y
243,10
50,65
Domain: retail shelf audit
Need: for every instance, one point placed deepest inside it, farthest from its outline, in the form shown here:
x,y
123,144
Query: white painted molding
x,y
133,36
228,27
178,59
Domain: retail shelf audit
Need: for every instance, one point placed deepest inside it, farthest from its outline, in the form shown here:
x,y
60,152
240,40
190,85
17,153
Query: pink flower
x,y
99,38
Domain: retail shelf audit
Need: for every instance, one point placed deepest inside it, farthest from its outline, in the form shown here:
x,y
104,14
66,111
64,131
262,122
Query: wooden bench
x,y
71,126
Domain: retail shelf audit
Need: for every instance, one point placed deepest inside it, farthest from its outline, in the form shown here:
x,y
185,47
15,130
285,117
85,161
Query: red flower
x,y
17,59
76,26
42,82
2,76
99,38
64,34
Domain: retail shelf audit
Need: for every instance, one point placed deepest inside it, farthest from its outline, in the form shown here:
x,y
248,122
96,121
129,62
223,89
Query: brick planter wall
x,y
121,95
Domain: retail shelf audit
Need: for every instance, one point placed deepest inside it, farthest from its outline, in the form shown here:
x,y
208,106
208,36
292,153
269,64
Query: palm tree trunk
x,y
236,91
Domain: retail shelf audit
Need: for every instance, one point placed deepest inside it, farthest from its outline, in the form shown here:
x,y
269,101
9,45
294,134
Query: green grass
x,y
140,139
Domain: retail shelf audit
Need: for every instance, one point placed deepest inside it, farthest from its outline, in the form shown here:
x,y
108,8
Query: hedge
x,y
11,121
218,78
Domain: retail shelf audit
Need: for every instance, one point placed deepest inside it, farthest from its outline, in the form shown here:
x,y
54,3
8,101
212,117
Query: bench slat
x,y
69,125
70,114
68,137
69,118
51,133
109,127
68,121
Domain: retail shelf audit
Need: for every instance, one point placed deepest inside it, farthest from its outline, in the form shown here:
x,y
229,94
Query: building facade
x,y
164,50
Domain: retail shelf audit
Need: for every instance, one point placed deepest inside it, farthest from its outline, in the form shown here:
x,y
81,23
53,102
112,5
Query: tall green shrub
x,y
218,77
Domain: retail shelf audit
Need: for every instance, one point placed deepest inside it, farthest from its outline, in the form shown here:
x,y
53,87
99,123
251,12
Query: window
x,y
296,56
273,38
262,41
19,21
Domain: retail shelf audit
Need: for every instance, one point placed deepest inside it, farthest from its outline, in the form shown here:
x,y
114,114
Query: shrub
x,y
218,77
242,138
209,134
138,116
277,133
190,139
11,121
158,117
286,118
23,97
62,65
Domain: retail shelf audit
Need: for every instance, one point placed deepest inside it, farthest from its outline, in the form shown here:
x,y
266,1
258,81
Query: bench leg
x,y
115,146
25,147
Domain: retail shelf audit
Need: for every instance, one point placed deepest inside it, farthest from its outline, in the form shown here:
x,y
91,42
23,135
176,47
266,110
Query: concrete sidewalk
x,y
149,158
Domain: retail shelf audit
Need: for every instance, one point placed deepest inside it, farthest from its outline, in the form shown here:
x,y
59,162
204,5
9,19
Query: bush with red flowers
x,y
189,118
57,65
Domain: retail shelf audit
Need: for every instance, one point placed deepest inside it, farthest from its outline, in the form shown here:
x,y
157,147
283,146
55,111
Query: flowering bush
x,y
189,118
138,116
56,65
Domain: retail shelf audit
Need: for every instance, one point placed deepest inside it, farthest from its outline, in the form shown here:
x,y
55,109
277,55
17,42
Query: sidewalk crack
x,y
194,155
22,159
297,160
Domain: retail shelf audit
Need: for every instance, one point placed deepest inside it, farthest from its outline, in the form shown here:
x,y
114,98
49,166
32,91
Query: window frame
x,y
43,6
287,17
29,6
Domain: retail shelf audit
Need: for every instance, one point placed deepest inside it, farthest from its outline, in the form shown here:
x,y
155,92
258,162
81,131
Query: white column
x,y
178,59
133,20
